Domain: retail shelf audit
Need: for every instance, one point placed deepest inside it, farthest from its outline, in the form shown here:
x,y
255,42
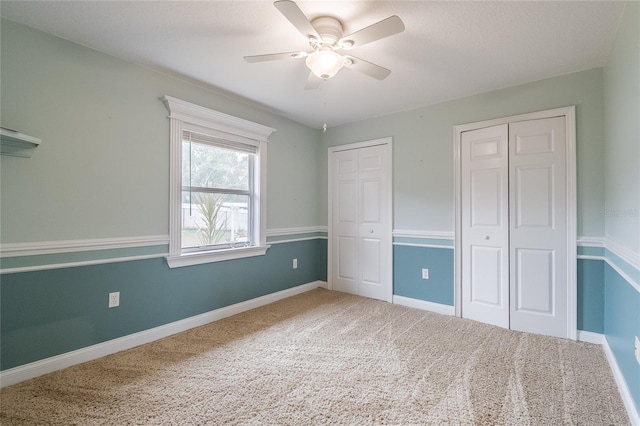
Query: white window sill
x,y
215,256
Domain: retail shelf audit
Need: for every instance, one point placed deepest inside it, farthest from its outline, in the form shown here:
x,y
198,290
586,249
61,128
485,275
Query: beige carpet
x,y
331,358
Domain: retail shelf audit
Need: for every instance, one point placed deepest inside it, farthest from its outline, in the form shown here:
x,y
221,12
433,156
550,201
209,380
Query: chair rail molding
x,y
436,235
68,246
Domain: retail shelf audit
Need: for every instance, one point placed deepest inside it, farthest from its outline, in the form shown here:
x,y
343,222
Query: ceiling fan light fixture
x,y
324,63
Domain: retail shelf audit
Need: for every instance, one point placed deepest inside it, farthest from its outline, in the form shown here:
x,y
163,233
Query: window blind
x,y
194,137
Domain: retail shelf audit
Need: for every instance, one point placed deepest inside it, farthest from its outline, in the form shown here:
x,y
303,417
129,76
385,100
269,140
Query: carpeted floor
x,y
331,358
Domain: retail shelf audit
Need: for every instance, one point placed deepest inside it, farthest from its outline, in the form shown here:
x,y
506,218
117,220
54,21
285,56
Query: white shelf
x,y
16,144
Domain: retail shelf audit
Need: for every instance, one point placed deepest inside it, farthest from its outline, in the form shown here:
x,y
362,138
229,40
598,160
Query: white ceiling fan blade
x,y
292,12
275,56
385,28
313,82
372,70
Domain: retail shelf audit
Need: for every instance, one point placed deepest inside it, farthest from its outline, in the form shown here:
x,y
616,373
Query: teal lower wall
x,y
408,262
591,295
322,259
621,324
50,312
47,313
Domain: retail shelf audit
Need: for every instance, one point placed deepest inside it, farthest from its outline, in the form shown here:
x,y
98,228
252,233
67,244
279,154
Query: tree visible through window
x,y
216,193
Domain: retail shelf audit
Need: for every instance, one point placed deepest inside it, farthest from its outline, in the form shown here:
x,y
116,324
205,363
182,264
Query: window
x,y
217,185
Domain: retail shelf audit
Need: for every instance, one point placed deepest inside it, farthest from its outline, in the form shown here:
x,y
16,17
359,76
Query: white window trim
x,y
182,115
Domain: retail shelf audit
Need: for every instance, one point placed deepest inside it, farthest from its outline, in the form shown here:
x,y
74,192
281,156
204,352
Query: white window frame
x,y
187,116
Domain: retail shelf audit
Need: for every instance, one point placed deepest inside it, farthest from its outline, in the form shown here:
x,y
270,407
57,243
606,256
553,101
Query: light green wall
x,y
622,133
622,196
103,167
423,147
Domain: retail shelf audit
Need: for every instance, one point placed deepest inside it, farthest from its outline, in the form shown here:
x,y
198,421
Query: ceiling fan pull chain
x,y
324,90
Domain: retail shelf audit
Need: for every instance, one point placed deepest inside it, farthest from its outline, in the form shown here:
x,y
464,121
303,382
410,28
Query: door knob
x,y
371,231
486,237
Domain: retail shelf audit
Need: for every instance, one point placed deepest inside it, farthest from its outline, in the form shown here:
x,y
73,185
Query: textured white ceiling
x,y
449,49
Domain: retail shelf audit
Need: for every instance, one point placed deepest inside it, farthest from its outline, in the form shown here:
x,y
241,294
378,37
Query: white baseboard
x,y
632,411
58,362
590,337
424,305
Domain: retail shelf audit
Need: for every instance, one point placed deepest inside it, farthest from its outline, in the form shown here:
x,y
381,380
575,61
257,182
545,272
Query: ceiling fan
x,y
326,40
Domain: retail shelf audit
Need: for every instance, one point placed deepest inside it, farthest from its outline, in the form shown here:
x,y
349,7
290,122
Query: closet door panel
x,y
345,222
374,242
534,286
360,233
485,232
538,226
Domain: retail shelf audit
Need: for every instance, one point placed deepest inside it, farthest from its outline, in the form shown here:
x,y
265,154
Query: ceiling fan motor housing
x,y
330,29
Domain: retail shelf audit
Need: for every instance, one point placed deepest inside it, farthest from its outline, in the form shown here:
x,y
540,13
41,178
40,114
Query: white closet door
x,y
361,244
374,244
538,226
485,225
345,227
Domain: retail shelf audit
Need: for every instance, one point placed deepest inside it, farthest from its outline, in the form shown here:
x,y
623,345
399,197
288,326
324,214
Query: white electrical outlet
x,y
425,274
295,263
637,352
114,299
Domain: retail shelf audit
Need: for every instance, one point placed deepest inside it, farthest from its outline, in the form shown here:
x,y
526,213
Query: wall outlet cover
x,y
114,299
425,274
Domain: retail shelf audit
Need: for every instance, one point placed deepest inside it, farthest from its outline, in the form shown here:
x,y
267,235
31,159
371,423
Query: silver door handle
x,y
371,231
486,237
